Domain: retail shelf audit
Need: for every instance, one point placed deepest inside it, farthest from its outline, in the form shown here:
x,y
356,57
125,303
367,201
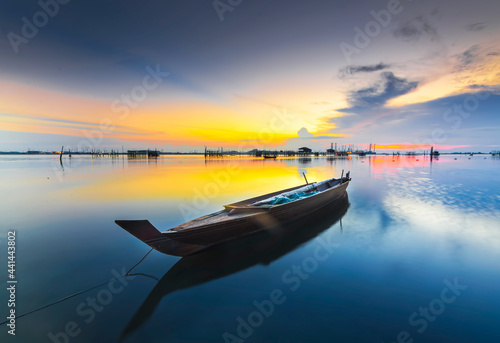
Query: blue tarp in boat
x,y
291,197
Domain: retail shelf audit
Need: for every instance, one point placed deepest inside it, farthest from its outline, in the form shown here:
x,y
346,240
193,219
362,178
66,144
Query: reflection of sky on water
x,y
451,221
410,225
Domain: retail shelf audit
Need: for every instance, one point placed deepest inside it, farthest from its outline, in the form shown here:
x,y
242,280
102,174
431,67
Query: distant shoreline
x,y
235,154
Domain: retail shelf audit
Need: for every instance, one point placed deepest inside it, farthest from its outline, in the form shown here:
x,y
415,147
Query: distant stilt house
x,y
305,151
215,153
143,153
153,153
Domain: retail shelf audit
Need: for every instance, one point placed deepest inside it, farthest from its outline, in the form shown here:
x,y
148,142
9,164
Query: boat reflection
x,y
222,260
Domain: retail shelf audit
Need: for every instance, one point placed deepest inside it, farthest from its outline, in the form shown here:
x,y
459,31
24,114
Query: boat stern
x,y
141,229
163,242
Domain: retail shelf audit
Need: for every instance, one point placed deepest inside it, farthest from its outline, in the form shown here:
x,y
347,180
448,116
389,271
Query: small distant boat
x,y
269,156
240,218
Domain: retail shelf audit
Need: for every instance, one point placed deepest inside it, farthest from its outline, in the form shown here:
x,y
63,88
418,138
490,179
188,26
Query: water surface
x,y
414,234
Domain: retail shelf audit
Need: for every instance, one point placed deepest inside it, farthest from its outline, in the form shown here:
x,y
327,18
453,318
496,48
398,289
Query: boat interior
x,y
257,205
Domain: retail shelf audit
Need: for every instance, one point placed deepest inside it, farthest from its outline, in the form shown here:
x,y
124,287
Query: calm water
x,y
414,256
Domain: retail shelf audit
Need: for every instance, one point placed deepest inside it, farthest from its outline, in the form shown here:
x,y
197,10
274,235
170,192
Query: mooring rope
x,y
80,292
126,274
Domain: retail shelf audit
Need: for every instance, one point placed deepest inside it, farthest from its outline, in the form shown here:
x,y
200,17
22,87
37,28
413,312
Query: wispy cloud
x,y
468,57
414,29
320,103
354,69
476,27
478,65
69,124
494,89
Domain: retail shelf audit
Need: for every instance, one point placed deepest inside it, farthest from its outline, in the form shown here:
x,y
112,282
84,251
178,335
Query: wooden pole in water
x,y
305,177
60,155
341,176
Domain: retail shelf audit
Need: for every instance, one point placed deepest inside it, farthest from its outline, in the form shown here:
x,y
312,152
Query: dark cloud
x,y
389,86
413,30
468,57
354,69
366,104
415,123
476,27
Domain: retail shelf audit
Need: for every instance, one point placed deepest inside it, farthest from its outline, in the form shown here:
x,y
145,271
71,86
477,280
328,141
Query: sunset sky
x,y
179,75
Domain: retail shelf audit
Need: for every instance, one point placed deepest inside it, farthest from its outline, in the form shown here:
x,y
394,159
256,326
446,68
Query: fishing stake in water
x,y
305,177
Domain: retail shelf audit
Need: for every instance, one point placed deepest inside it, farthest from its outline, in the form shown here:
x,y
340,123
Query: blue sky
x,y
352,72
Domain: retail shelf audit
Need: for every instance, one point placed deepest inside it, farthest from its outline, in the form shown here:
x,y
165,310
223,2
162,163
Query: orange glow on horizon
x,y
407,146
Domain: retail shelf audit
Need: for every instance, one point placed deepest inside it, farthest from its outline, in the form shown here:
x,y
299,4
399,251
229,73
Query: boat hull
x,y
289,212
189,238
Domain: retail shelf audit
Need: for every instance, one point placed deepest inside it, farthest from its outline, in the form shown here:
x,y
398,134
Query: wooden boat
x,y
262,247
240,218
269,156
